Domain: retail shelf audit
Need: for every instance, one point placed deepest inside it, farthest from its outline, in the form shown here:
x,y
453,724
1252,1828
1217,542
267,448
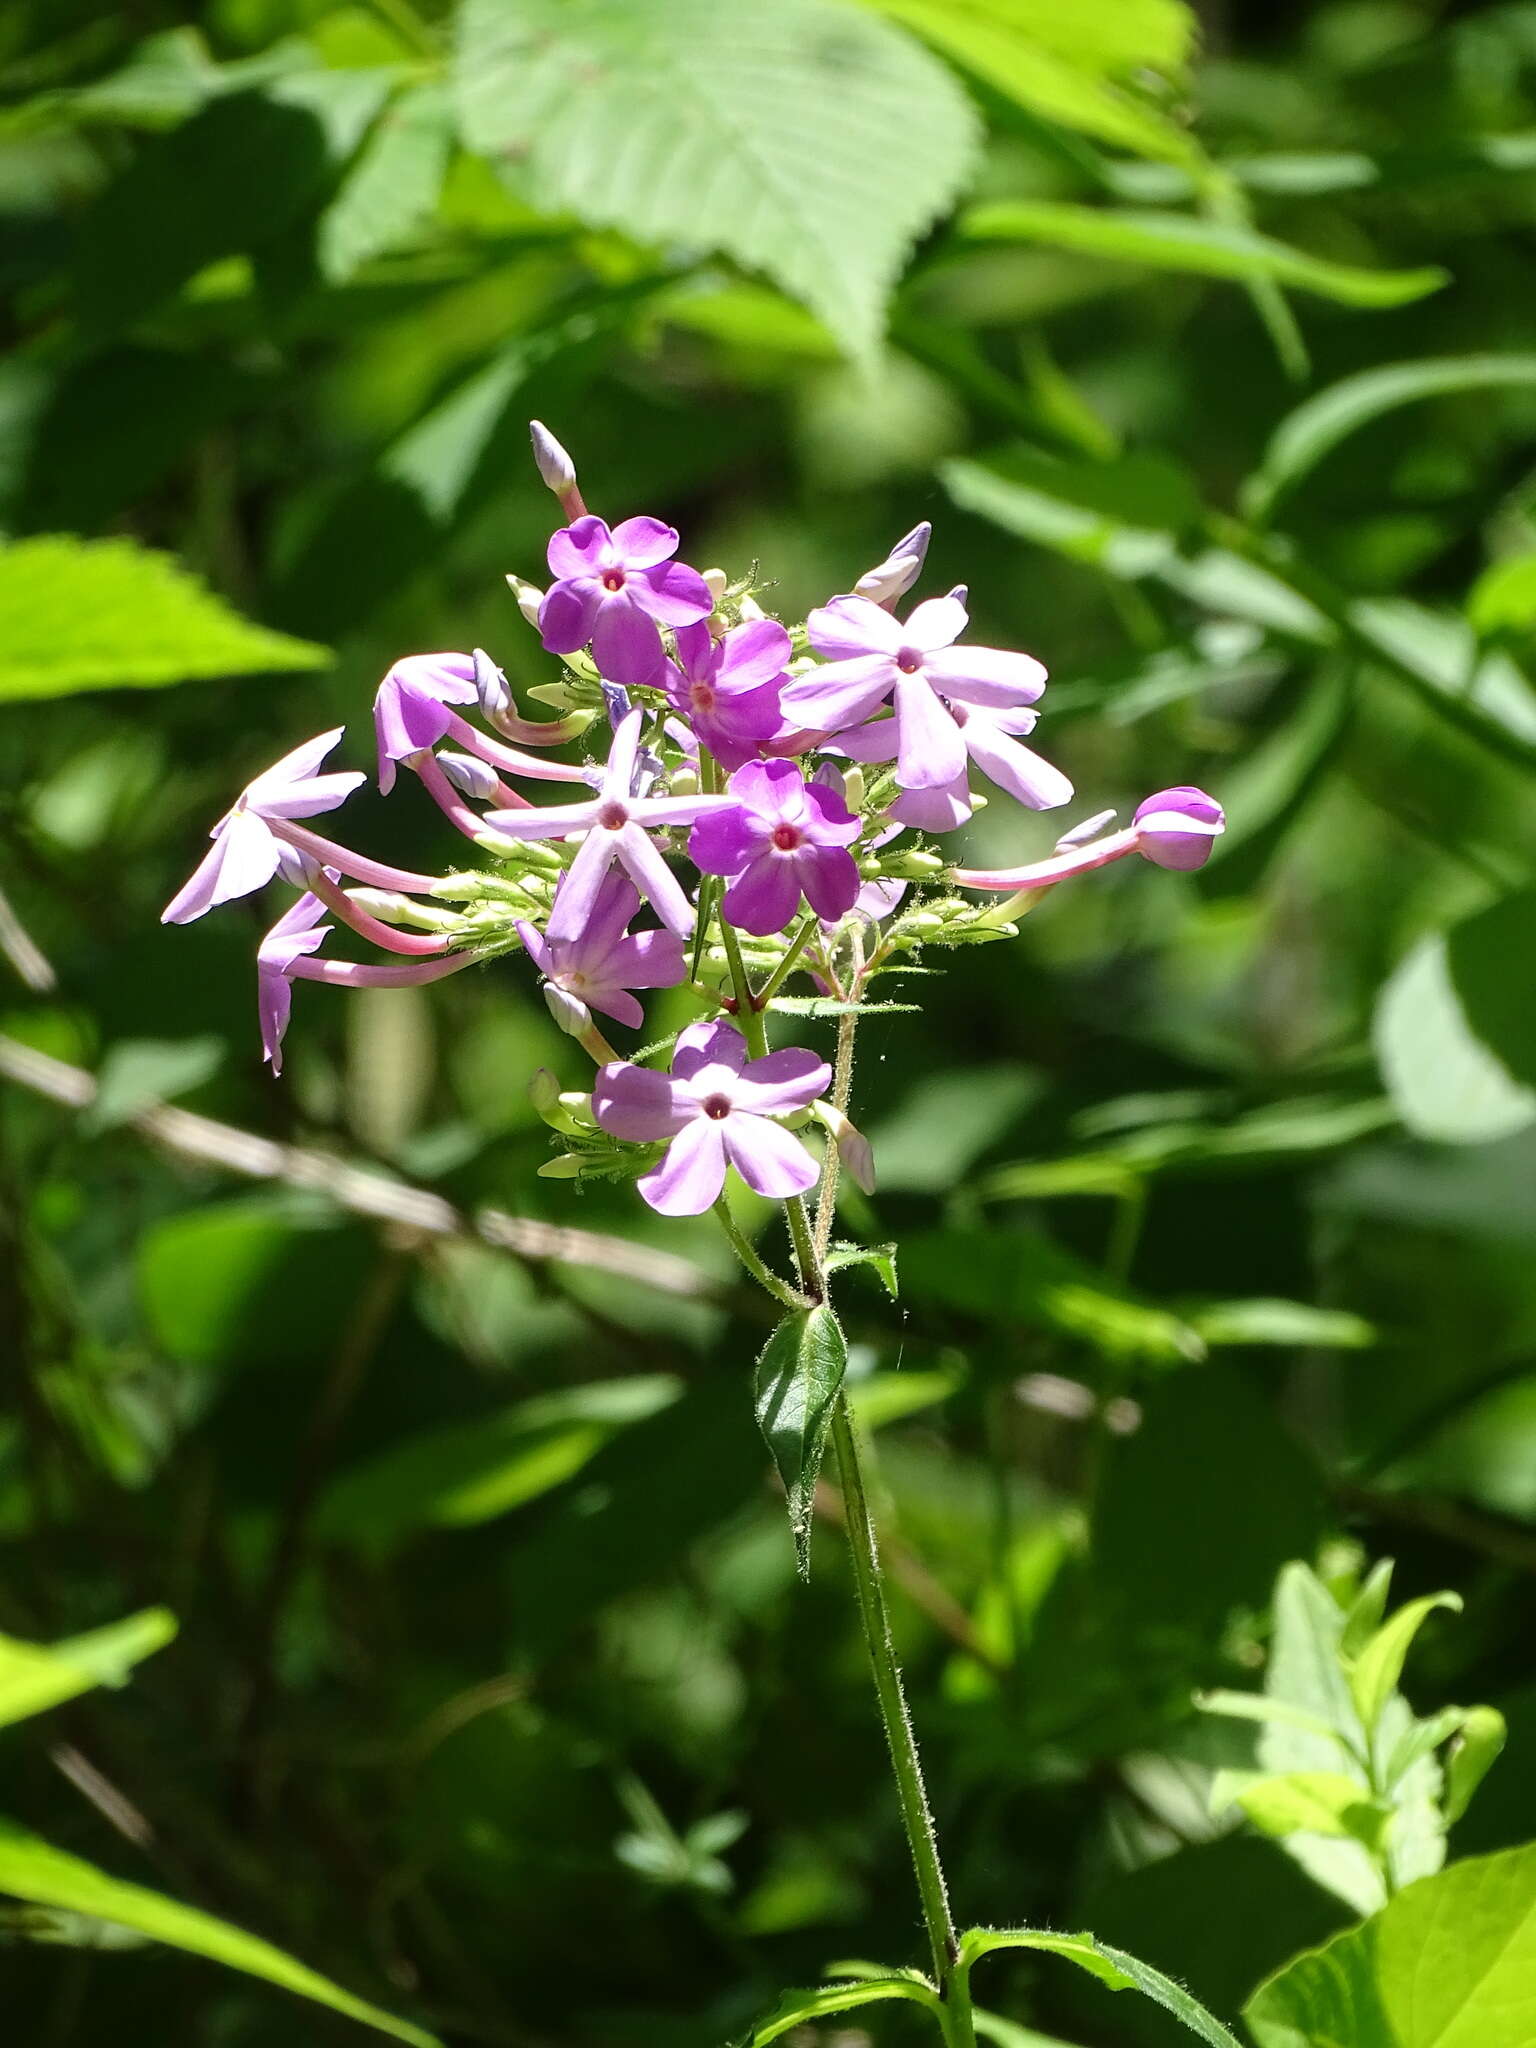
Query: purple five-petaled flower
x,y
606,960
715,1107
615,589
915,664
729,688
613,826
246,853
781,838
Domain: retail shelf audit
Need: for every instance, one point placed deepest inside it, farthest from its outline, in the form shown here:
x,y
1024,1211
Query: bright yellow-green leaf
x,y
33,1870
1183,242
36,1676
110,615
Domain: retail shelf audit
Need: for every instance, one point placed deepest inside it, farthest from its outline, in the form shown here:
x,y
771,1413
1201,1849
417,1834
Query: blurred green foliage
x,y
1209,346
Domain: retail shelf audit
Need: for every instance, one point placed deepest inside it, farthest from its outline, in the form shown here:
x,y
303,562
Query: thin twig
x,y
24,953
357,1189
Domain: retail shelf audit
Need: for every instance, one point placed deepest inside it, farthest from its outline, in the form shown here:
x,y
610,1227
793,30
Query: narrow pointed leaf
x,y
1305,436
1184,242
799,1376
795,2008
1112,1966
37,1676
1482,1738
1380,1664
33,1870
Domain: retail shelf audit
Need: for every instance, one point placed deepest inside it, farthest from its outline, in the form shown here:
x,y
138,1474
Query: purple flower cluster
x,y
755,794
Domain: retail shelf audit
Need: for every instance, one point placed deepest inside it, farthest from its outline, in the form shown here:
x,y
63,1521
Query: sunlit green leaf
x,y
110,615
36,1676
1318,426
1185,242
651,116
1112,1966
1449,1963
34,1870
1375,1672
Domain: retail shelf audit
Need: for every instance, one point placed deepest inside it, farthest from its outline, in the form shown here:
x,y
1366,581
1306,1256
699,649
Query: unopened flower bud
x,y
472,776
555,467
910,865
1090,828
684,781
386,904
829,776
1177,827
543,1091
495,697
853,1148
529,598
298,870
853,787
716,582
751,610
893,577
569,1012
566,1167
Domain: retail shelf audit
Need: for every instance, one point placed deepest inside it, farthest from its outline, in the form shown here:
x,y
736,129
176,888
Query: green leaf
x,y
1451,1027
1280,1322
887,1397
464,1475
1375,1672
882,1257
1449,1963
1482,1739
719,125
1301,1802
236,177
36,1676
1183,242
1112,1966
138,1072
799,1376
1123,516
391,188
946,1121
1061,62
1503,599
34,1870
1019,1276
1364,1614
1259,1706
110,615
1323,421
796,2007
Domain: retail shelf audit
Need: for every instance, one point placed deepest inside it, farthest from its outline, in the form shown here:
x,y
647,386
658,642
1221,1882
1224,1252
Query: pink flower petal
x,y
771,1161
638,1103
688,1180
850,626
642,542
584,548
931,752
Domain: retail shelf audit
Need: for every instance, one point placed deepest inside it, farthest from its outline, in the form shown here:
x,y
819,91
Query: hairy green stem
x,y
916,1818
762,1273
787,965
911,1792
